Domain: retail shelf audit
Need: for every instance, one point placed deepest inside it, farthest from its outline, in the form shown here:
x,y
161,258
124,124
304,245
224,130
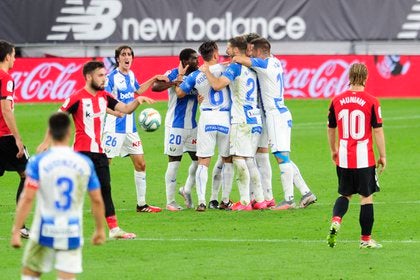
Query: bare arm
x,y
215,83
244,60
130,107
380,144
23,208
98,213
114,113
9,118
150,82
332,142
159,86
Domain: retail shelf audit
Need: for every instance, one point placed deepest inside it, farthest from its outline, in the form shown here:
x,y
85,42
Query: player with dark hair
x,y
13,155
214,123
120,136
88,109
355,114
278,120
59,178
246,124
180,129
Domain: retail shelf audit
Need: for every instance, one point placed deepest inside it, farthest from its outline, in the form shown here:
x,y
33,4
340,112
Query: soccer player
x,y
88,109
214,121
355,114
262,158
278,119
180,129
120,133
245,124
13,155
59,178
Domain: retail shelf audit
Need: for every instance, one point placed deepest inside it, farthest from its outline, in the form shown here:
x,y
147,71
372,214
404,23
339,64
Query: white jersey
x,y
213,100
181,111
61,177
270,77
123,88
243,88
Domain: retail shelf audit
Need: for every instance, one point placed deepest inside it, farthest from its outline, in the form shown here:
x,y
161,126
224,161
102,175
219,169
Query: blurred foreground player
x,y
355,114
59,178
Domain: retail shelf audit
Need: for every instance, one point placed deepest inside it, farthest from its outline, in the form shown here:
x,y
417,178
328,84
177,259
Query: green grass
x,y
250,245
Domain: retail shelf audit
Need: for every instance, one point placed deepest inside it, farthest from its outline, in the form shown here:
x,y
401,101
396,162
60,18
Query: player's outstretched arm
x,y
44,144
244,60
332,142
22,210
380,144
98,213
159,86
130,107
150,82
114,113
10,120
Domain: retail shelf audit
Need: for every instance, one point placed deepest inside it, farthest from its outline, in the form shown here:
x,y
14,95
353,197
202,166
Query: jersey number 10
x,y
353,123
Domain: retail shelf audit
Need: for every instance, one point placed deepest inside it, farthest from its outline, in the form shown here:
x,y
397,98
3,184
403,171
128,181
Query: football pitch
x,y
248,245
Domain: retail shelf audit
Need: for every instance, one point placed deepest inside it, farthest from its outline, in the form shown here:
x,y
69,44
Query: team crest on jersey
x,y
10,86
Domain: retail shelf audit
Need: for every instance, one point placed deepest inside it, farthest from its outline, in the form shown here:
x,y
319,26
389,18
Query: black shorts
x,y
8,159
362,181
100,162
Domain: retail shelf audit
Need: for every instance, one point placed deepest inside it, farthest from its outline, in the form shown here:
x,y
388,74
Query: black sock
x,y
366,218
340,207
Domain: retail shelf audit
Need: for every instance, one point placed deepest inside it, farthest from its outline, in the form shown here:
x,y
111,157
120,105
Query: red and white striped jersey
x,y
355,113
88,113
7,87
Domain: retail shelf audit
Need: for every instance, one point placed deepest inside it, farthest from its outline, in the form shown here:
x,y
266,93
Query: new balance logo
x,y
411,27
95,22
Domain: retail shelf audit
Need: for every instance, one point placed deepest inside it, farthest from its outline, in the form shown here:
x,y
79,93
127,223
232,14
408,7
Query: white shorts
x,y
244,139
213,129
279,129
121,144
263,140
41,259
180,140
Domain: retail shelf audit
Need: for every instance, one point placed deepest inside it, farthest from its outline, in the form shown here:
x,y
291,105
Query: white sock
x,y
298,180
191,177
217,179
140,179
170,180
242,174
227,176
264,167
255,181
286,176
201,178
27,277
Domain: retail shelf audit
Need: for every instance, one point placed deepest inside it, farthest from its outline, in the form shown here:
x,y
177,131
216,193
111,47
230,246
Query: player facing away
x,y
88,109
180,129
214,122
246,124
59,179
120,136
13,155
278,120
355,114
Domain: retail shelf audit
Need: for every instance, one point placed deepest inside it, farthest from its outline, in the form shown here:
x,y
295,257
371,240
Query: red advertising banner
x,y
305,76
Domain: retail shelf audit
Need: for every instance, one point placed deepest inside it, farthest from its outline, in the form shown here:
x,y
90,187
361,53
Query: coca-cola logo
x,y
327,80
47,81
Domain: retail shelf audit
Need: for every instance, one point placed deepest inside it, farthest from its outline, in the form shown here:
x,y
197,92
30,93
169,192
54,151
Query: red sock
x,y
365,238
112,221
336,219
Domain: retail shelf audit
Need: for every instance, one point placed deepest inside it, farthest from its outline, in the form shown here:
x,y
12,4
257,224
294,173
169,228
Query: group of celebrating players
x,y
242,113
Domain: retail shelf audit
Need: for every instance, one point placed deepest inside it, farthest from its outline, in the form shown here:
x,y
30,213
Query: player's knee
x,y
282,157
140,166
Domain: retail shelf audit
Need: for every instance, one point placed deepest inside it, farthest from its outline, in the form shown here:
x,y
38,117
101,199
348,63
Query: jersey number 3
x,y
63,197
